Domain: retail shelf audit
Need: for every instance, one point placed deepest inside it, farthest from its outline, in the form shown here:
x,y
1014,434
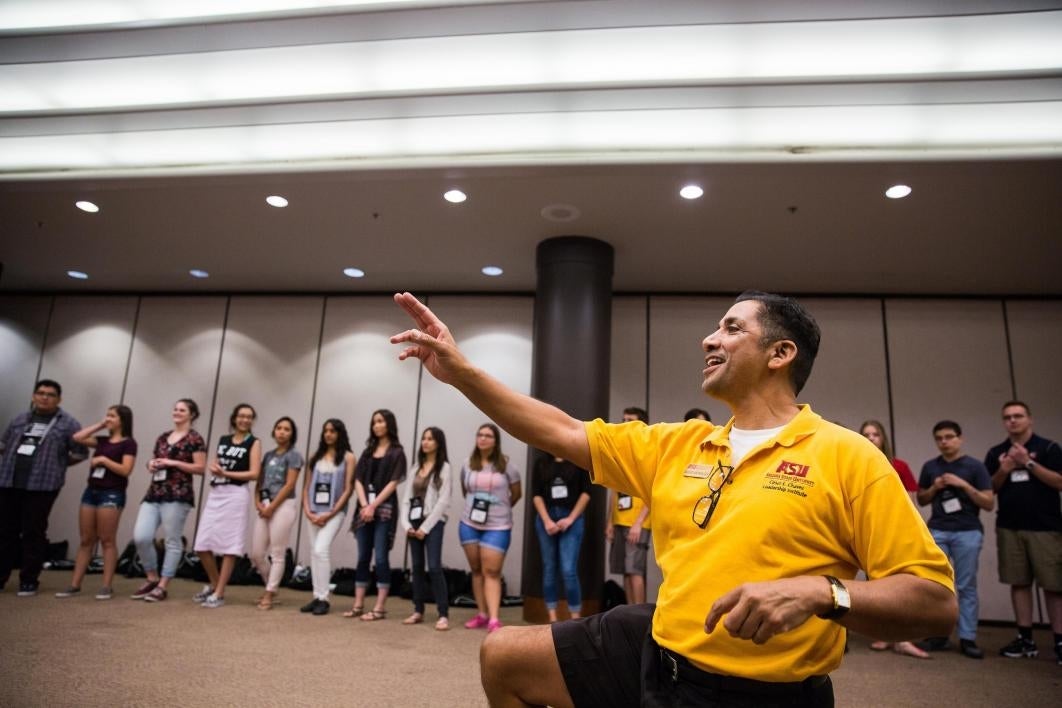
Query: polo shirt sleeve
x,y
982,480
1052,458
889,535
624,456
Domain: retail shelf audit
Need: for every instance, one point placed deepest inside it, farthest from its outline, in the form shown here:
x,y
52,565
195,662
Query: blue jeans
x,y
432,546
565,546
171,516
372,537
963,549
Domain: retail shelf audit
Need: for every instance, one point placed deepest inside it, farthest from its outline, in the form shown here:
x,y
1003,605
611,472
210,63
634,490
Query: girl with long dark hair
x,y
491,486
104,497
381,467
328,484
274,500
423,518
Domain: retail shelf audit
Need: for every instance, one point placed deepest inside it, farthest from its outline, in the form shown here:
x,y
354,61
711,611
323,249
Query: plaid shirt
x,y
56,452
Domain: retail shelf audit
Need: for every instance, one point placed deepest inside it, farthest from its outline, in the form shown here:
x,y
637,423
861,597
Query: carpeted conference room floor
x,y
82,652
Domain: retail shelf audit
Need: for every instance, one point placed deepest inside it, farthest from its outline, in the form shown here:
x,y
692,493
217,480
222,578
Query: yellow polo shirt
x,y
815,500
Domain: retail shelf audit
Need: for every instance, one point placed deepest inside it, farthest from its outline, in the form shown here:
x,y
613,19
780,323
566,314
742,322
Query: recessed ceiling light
x,y
197,273
560,212
87,206
492,271
77,275
276,201
691,191
897,191
354,272
455,196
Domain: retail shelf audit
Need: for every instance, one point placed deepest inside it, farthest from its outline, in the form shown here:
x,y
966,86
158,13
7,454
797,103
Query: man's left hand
x,y
758,611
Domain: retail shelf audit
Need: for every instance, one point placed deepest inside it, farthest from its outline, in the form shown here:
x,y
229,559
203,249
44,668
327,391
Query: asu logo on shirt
x,y
789,477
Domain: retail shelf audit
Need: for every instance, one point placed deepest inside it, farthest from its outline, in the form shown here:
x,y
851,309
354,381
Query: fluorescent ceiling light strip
x,y
601,136
999,45
94,14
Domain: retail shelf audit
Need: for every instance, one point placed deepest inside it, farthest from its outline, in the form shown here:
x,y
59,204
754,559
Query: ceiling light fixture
x,y
87,206
455,196
354,272
691,191
897,191
197,273
276,201
77,275
492,271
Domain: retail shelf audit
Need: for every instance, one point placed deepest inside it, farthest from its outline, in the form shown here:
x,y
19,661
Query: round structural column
x,y
572,348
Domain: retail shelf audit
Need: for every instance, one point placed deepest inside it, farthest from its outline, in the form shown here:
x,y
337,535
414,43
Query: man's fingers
x,y
720,607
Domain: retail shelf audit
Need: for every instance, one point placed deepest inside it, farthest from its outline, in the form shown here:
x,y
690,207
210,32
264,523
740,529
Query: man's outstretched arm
x,y
536,423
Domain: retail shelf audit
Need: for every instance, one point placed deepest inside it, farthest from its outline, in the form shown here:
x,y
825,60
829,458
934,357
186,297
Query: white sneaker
x,y
213,602
203,594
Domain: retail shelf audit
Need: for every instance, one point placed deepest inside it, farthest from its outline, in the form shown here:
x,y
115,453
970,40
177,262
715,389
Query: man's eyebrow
x,y
732,319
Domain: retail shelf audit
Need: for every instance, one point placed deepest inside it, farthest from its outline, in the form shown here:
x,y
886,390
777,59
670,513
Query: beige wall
x,y
313,357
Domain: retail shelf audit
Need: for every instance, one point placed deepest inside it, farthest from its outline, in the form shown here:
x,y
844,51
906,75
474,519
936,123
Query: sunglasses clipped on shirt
x,y
705,506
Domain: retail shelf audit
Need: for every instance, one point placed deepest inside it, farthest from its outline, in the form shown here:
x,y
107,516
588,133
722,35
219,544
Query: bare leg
x,y
492,562
519,667
637,595
381,600
1021,598
474,565
210,565
1054,610
107,526
87,522
228,564
359,598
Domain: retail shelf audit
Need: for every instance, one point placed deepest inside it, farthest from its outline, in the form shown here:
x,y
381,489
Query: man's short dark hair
x,y
697,413
50,384
1023,404
784,318
948,425
636,411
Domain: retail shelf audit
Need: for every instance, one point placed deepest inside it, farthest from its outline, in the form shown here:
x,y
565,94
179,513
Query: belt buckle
x,y
666,657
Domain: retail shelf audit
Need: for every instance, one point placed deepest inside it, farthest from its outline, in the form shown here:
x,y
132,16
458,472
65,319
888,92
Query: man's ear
x,y
783,352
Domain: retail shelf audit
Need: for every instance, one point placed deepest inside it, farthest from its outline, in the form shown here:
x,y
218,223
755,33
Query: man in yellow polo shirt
x,y
628,529
759,528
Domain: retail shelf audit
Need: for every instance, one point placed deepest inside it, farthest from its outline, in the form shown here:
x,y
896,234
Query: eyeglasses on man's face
x,y
705,506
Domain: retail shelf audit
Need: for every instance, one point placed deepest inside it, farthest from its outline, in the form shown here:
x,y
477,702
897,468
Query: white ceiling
x,y
960,100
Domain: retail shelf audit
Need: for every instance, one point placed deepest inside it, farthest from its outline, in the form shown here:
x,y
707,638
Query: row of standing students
x,y
334,480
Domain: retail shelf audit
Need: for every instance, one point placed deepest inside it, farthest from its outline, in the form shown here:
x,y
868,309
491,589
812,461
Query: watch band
x,y
1029,465
841,600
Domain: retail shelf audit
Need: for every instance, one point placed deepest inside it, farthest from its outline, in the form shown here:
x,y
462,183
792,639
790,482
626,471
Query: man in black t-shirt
x,y
1027,476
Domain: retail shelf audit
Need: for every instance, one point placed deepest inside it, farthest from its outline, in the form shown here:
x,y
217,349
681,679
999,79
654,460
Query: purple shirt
x,y
102,478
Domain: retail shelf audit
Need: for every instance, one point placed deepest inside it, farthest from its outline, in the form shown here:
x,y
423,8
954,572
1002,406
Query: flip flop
x,y
415,618
374,615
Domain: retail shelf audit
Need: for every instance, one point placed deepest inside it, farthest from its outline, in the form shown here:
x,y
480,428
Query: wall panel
x,y
359,373
269,358
496,334
1035,340
23,321
949,361
175,355
86,352
627,367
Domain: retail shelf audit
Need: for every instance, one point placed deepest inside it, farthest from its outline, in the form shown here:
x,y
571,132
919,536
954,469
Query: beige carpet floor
x,y
82,652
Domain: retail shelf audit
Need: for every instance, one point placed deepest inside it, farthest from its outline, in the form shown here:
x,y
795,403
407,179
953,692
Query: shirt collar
x,y
802,425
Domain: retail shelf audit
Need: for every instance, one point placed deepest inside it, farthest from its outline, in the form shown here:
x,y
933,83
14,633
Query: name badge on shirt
x,y
216,480
98,472
623,502
952,505
27,449
264,495
160,475
416,509
371,494
559,490
1019,476
478,513
698,471
322,493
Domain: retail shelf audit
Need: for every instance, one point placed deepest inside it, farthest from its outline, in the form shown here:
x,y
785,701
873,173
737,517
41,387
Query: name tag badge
x,y
559,491
416,509
698,471
952,505
215,481
478,514
623,502
1019,476
264,495
98,472
322,493
160,475
27,449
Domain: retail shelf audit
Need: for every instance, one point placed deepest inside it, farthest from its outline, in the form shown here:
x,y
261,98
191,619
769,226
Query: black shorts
x,y
611,660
